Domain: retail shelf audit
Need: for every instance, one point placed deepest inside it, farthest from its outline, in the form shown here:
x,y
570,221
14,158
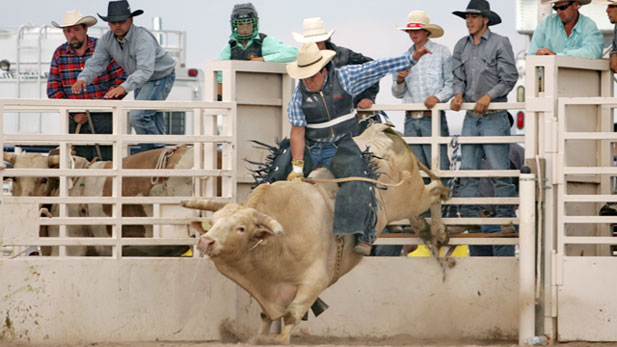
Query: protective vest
x,y
252,51
327,105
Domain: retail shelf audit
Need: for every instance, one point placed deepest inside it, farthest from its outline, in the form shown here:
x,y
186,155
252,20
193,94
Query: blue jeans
x,y
151,121
321,153
491,250
422,127
492,124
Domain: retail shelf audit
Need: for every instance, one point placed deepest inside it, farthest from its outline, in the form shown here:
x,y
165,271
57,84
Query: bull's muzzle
x,y
205,244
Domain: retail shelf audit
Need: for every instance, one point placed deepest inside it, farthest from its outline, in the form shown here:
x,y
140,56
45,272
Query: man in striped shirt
x,y
67,62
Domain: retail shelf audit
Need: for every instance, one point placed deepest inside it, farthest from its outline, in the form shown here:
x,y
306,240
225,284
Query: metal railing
x,y
213,138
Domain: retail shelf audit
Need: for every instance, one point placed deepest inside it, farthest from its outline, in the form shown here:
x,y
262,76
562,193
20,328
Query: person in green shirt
x,y
247,43
567,32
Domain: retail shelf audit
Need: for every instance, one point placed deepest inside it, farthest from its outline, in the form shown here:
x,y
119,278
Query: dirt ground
x,y
321,342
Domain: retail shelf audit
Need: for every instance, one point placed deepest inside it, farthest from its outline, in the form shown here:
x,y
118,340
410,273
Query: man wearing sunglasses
x,y
567,32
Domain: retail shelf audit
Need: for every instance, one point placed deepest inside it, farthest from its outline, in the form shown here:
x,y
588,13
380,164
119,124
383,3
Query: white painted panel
x,y
586,301
106,300
386,296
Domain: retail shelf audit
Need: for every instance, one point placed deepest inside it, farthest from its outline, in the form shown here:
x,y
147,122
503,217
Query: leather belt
x,y
417,114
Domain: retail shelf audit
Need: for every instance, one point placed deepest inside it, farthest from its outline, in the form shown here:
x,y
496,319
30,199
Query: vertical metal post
x,y
527,228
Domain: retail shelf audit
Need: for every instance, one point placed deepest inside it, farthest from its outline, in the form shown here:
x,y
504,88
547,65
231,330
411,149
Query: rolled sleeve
x,y
275,51
294,109
398,90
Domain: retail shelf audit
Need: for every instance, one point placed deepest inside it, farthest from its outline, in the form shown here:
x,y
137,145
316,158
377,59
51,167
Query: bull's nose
x,y
204,243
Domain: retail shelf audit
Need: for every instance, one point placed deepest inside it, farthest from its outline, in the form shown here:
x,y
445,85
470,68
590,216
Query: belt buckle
x,y
416,114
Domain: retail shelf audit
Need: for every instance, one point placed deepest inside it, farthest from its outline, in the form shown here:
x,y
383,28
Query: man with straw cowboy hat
x,y
150,69
428,82
314,30
611,11
484,71
66,64
567,32
323,120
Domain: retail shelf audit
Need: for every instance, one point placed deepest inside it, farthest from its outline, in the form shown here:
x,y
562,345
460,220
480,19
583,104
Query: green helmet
x,y
244,14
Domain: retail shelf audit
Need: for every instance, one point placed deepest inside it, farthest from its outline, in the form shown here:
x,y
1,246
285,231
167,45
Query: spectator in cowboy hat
x,y
66,65
611,11
567,32
150,69
323,120
484,72
428,82
313,30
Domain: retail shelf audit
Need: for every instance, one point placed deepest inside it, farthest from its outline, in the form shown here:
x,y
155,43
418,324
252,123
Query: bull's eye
x,y
44,180
241,229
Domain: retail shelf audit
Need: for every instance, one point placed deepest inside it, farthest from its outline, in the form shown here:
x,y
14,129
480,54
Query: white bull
x,y
279,246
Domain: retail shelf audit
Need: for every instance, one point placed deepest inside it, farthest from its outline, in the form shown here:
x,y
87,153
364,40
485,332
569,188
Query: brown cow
x,y
164,158
280,247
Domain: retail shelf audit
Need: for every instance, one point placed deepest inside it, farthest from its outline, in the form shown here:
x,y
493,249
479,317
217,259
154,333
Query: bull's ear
x,y
201,226
263,234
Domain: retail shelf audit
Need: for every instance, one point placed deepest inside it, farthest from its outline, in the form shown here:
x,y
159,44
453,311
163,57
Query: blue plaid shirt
x,y
354,79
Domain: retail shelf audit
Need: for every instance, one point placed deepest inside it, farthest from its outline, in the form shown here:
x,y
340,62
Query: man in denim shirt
x,y
484,72
150,69
567,32
428,82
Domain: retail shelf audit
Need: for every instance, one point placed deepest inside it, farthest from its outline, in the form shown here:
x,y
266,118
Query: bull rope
x,y
350,179
161,163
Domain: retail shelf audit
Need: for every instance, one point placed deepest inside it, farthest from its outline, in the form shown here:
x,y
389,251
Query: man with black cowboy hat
x,y
321,113
484,71
149,67
66,64
567,32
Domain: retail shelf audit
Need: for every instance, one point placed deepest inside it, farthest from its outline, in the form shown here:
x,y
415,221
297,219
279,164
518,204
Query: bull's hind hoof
x,y
363,248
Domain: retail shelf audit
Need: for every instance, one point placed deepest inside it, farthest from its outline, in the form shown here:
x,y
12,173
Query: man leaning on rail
x,y
567,32
484,71
66,64
150,69
322,117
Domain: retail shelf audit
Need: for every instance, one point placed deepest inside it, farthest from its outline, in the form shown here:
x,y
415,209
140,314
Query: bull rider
x,y
323,119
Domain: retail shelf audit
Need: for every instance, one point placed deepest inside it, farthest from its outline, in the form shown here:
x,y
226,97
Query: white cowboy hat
x,y
580,2
313,30
420,20
74,18
310,61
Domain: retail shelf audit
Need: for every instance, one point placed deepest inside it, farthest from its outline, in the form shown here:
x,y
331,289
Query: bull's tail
x,y
428,171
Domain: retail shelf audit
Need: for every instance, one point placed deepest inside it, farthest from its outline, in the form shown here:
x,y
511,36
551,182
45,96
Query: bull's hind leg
x,y
266,324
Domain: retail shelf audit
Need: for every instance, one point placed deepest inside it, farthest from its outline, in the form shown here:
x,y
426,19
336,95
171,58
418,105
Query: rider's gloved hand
x,y
298,171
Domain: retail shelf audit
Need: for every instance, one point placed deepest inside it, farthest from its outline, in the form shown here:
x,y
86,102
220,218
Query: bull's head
x,y
233,230
37,186
32,186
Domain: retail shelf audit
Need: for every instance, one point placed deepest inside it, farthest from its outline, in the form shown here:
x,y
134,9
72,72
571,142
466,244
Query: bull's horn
x,y
9,157
269,222
53,160
208,205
